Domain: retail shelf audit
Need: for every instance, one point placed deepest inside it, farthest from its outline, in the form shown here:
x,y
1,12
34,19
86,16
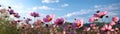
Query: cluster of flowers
x,y
59,26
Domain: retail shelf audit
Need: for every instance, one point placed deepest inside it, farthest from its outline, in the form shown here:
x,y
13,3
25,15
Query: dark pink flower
x,y
59,21
16,15
34,14
11,11
27,20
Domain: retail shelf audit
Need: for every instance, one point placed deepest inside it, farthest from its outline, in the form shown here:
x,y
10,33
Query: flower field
x,y
59,26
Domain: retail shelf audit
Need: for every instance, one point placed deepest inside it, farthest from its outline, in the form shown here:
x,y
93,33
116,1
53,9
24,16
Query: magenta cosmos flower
x,y
34,14
16,15
27,20
11,11
48,18
78,23
59,21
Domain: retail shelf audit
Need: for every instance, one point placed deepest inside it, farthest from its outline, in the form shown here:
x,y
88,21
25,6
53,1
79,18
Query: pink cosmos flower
x,y
93,19
78,23
87,29
35,23
106,27
48,18
59,21
112,23
105,12
115,19
100,14
34,14
92,25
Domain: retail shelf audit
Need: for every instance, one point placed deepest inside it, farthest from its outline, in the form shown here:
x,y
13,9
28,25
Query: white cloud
x,y
107,7
6,2
18,6
34,8
81,12
64,5
50,1
110,8
45,8
112,14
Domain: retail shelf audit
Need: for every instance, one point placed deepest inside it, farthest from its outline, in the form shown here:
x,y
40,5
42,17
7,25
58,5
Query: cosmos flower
x,y
16,15
105,12
59,21
115,19
27,20
2,10
87,28
106,27
14,22
27,26
92,25
101,14
48,18
35,23
34,14
92,19
112,23
78,23
95,17
11,11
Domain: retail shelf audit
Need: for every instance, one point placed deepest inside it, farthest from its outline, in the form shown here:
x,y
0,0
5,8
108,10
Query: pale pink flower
x,y
112,23
78,23
105,12
115,19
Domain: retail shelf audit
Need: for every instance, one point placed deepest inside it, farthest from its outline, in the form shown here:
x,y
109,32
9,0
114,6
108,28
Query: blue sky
x,y
68,9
